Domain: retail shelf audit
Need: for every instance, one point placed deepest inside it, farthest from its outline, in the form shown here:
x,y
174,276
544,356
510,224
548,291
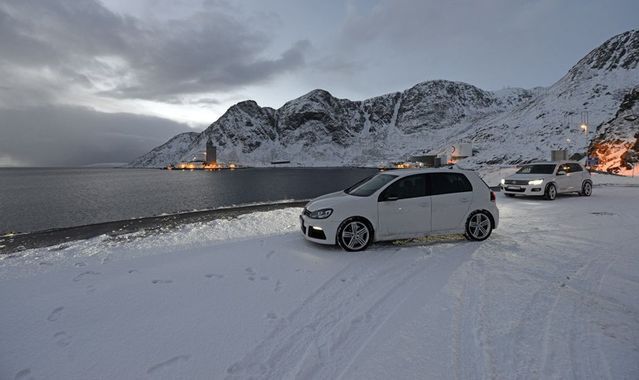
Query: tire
x,y
551,192
586,189
354,235
478,226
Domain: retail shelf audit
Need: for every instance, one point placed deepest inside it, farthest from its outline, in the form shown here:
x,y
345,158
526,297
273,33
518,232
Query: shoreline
x,y
40,239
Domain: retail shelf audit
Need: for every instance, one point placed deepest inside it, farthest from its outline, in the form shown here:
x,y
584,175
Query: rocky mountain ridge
x,y
507,126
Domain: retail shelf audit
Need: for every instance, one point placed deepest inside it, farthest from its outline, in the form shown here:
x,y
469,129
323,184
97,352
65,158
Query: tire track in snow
x,y
316,339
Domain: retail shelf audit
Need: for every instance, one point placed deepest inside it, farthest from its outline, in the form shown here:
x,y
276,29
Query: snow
x,y
552,294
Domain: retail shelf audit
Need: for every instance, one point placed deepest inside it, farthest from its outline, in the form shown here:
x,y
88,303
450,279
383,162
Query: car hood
x,y
328,200
529,177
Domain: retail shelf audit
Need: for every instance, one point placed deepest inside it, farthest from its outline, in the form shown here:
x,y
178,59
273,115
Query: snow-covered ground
x,y
554,293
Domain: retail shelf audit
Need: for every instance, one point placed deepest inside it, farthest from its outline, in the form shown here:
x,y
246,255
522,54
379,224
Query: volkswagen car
x,y
402,204
548,179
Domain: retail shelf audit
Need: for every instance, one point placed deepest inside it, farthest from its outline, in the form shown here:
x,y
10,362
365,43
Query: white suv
x,y
548,179
402,204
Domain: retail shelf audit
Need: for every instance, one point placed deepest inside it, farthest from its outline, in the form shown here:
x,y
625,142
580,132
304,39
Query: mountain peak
x,y
318,93
619,52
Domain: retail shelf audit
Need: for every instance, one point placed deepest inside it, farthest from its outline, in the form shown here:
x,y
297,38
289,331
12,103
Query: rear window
x,y
537,169
368,187
447,183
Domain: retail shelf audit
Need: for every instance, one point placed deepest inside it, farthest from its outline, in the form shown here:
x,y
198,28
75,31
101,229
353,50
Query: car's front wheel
x,y
551,192
586,189
478,226
354,235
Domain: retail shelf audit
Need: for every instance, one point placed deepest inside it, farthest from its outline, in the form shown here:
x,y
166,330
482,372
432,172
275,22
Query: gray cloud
x,y
49,45
73,136
488,43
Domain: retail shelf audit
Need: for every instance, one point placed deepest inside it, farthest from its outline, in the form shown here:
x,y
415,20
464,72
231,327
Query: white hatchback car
x,y
548,179
402,204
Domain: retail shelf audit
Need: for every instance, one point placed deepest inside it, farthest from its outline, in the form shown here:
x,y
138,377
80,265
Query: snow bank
x,y
117,246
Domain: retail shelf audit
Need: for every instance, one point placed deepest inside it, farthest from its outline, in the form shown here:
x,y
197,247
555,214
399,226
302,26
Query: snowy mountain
x,y
179,145
617,142
506,126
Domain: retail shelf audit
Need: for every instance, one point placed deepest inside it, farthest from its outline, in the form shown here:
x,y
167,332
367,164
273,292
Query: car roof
x,y
552,162
406,172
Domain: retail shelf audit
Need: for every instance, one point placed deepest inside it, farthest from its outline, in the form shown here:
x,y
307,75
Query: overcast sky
x,y
88,81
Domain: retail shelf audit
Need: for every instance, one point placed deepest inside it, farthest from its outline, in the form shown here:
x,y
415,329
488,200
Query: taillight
x,y
493,198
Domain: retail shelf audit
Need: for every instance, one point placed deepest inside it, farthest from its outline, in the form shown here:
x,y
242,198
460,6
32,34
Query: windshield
x,y
537,169
370,185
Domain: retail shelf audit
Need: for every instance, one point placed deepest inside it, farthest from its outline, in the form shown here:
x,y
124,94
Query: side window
x,y
408,187
575,168
564,167
447,183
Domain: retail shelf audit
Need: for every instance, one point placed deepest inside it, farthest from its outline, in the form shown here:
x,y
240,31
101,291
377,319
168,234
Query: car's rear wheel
x,y
586,189
478,226
354,235
551,192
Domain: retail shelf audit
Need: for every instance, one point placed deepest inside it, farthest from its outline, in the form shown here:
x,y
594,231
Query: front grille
x,y
515,190
516,182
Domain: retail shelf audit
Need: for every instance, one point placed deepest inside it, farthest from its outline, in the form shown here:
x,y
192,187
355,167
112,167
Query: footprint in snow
x,y
271,316
270,253
84,275
167,364
214,275
55,314
131,271
162,281
62,339
24,374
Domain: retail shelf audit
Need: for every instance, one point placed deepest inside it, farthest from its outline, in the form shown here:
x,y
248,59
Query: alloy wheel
x,y
355,236
479,226
551,192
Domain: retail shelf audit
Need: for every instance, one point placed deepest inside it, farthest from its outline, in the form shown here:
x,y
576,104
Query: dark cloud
x,y
74,136
81,43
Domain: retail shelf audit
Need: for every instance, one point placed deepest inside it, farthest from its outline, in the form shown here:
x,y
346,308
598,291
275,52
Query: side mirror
x,y
385,197
561,172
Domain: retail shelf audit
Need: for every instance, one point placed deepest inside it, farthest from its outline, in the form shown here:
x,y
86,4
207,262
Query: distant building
x,y
211,153
429,160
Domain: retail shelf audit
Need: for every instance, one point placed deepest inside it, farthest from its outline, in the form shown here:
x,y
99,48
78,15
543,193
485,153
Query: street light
x,y
584,127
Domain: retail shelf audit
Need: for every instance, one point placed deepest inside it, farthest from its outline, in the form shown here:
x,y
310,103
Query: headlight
x,y
321,214
536,182
503,181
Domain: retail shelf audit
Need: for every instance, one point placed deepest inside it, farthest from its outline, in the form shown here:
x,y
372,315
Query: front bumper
x,y
322,231
523,189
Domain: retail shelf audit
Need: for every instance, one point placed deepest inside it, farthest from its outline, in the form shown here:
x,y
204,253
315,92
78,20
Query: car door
x,y
404,208
565,181
576,176
452,194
